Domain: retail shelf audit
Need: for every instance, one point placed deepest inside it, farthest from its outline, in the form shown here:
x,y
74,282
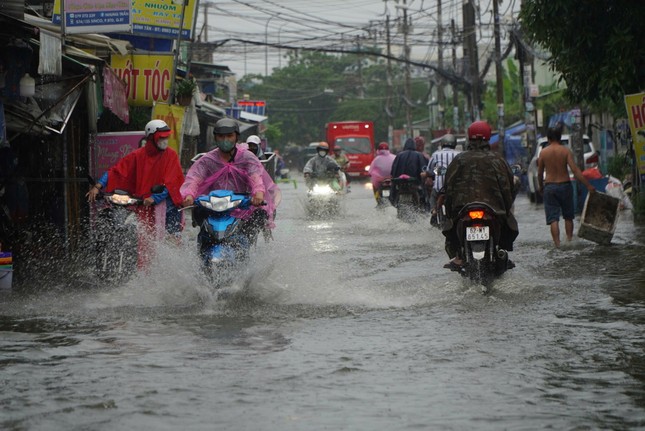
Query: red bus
x,y
356,138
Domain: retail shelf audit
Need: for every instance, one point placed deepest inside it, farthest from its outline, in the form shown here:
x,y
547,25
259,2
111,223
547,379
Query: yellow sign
x,y
173,115
147,77
160,18
636,112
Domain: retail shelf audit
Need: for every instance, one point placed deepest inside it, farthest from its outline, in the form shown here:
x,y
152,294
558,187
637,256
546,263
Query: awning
x,y
252,117
48,111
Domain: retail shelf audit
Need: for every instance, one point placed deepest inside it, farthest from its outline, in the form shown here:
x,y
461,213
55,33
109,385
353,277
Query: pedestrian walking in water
x,y
556,186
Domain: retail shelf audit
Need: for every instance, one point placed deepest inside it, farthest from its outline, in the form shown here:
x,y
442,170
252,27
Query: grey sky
x,y
328,23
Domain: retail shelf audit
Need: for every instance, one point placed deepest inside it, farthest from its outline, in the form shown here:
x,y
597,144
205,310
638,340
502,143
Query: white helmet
x,y
253,139
156,126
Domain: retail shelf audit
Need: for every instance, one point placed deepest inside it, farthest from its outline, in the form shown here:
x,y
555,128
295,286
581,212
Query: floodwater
x,y
342,324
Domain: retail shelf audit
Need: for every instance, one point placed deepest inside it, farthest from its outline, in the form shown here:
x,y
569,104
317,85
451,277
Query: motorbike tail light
x,y
592,159
476,214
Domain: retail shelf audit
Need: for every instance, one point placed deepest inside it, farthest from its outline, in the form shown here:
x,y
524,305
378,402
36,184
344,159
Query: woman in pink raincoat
x,y
380,168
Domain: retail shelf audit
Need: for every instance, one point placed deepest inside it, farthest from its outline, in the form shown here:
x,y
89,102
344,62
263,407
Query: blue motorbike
x,y
224,239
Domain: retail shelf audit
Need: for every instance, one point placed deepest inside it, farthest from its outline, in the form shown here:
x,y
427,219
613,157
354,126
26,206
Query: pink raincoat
x,y
243,174
381,167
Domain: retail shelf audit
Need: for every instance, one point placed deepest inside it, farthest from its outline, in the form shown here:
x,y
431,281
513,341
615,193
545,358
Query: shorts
x,y
558,197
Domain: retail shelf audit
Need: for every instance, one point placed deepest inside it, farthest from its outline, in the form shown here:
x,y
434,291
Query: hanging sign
x,y
173,115
157,19
635,104
147,77
97,16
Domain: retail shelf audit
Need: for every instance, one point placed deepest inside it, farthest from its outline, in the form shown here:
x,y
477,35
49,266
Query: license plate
x,y
477,233
385,193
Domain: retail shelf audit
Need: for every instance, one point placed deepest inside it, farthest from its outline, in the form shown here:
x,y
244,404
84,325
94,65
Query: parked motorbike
x,y
478,230
323,195
224,239
406,197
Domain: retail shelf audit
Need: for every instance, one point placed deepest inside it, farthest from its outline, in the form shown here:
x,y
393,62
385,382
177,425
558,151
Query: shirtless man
x,y
557,187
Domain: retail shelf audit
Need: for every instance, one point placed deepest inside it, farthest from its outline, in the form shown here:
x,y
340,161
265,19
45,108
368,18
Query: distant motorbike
x,y
224,238
406,197
383,194
478,230
324,193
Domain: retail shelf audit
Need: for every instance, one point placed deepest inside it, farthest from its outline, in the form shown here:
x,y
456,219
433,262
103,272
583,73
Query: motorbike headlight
x,y
320,189
217,204
121,200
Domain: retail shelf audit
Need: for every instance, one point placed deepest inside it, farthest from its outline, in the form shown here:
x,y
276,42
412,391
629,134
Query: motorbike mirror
x,y
516,169
440,170
158,188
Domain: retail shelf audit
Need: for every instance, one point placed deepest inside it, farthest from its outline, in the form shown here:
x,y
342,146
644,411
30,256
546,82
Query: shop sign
x,y
147,77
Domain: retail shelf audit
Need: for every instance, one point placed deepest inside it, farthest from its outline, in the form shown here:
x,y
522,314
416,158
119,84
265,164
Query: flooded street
x,y
343,324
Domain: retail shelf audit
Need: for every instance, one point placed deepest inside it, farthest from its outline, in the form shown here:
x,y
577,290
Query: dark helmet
x,y
225,126
337,149
322,146
479,130
449,141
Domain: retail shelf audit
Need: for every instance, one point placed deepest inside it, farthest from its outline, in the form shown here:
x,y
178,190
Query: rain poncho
x,y
381,166
409,161
242,174
137,173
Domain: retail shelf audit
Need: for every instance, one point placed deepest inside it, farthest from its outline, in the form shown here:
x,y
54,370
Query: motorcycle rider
x,y
230,166
343,162
254,143
151,164
408,162
440,159
478,174
380,169
321,166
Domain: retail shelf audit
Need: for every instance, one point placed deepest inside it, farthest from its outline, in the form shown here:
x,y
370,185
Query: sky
x,y
333,24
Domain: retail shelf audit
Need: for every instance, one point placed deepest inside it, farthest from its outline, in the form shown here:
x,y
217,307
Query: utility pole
x,y
441,98
455,96
388,106
406,51
499,79
361,90
472,57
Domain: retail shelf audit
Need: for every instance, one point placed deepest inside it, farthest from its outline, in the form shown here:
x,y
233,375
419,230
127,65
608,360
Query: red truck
x,y
356,138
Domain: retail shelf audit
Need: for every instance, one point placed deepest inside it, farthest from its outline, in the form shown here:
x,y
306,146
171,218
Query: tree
x,y
596,45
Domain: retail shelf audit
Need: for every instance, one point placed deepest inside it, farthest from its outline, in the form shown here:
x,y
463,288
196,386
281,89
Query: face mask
x,y
322,153
162,144
225,146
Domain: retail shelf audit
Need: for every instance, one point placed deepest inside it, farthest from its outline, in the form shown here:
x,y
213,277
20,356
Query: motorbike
x,y
224,239
116,236
323,195
383,195
478,230
407,197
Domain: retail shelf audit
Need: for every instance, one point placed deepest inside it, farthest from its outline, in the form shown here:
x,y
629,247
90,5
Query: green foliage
x,y
273,135
513,109
316,88
618,166
597,46
185,87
